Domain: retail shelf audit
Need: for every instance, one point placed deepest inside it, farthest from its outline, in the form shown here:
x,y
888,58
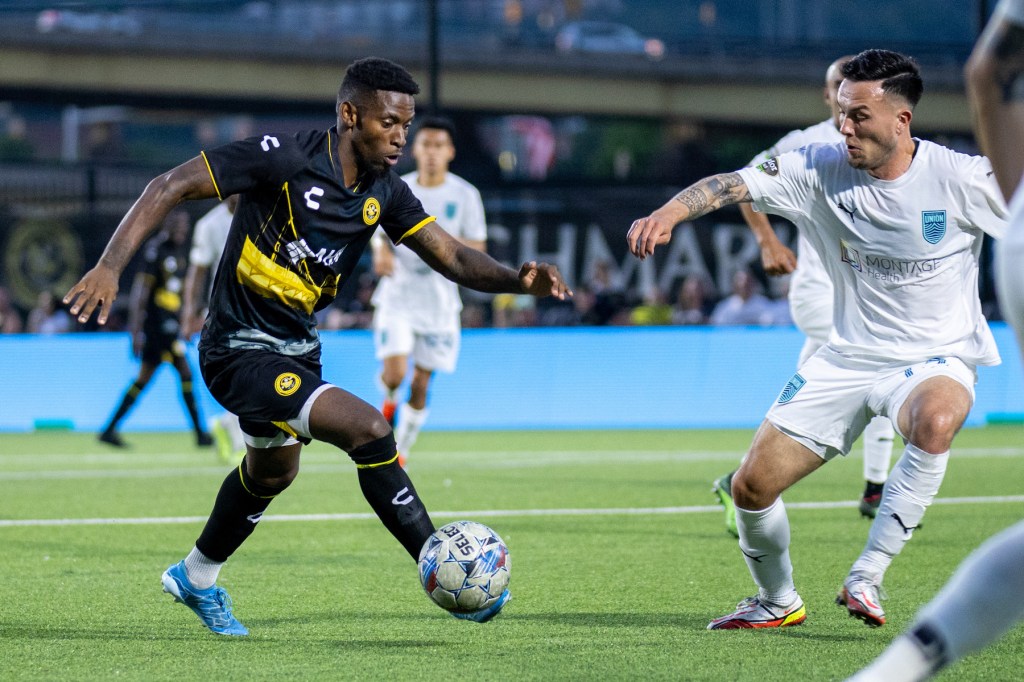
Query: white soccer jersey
x,y
902,254
810,289
210,234
429,300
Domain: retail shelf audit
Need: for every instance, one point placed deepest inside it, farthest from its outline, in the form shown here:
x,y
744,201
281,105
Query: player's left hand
x,y
646,233
777,258
97,288
543,279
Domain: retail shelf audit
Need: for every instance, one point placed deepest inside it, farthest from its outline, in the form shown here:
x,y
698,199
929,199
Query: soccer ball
x,y
464,566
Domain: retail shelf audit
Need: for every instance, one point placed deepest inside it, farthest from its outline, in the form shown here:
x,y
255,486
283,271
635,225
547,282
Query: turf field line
x,y
332,463
482,513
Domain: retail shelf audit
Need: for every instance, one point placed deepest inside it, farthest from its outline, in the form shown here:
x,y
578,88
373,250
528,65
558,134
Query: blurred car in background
x,y
97,23
606,37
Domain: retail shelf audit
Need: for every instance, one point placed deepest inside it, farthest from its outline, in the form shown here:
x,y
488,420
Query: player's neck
x,y
431,179
898,162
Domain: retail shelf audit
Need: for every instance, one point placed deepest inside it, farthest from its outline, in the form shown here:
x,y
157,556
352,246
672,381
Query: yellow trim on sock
x,y
242,479
378,464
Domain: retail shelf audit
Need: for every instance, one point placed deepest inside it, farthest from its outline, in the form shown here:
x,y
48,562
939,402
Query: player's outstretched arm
x,y
699,199
477,270
98,287
996,93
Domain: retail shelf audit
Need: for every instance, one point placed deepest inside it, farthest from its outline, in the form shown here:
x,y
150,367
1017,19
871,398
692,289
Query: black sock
x,y
130,396
240,505
389,491
190,404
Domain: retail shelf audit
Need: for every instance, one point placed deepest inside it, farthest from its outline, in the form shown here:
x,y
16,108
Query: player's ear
x,y
348,114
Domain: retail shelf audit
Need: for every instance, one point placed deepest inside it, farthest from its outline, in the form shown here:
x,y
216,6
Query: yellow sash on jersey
x,y
270,280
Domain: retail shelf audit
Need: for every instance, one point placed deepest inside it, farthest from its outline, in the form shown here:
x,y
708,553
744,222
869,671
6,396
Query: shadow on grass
x,y
612,620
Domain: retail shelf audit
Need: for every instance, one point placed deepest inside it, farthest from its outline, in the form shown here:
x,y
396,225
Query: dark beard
x,y
368,172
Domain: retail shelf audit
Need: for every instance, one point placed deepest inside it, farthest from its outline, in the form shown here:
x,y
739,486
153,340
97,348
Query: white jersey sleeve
x,y
210,233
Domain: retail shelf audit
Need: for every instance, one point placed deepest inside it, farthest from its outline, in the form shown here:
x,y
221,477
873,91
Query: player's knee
x,y
376,451
267,482
933,430
749,492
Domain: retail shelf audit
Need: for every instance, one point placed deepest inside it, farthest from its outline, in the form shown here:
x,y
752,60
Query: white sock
x,y
764,541
202,571
983,599
878,437
410,420
903,661
912,485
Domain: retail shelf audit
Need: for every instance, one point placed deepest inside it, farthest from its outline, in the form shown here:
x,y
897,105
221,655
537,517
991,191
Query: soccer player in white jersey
x,y
810,301
985,597
898,223
416,310
208,239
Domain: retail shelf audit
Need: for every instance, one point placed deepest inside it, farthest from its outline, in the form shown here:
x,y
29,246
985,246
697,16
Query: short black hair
x,y
366,76
899,74
436,123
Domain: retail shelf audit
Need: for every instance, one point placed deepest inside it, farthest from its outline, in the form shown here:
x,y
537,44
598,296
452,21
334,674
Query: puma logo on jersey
x,y
268,142
848,211
313,192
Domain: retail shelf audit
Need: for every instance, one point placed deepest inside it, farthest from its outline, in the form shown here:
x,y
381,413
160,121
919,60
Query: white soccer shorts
x,y
828,402
1010,282
436,350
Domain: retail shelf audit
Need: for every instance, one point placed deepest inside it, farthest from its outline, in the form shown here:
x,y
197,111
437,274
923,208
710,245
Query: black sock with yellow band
x,y
240,505
389,491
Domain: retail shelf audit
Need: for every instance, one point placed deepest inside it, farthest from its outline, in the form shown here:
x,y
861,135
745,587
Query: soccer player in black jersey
x,y
153,320
309,204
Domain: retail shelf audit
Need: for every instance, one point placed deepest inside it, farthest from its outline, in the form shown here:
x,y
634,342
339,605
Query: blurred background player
x,y
154,323
416,310
985,597
810,300
211,232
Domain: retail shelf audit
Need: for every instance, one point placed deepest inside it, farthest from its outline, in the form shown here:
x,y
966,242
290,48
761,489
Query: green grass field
x,y
620,559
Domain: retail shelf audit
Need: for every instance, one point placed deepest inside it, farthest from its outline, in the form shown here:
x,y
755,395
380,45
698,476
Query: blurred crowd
x,y
597,302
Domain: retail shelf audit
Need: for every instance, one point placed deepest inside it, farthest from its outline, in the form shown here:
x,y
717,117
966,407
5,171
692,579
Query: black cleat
x,y
204,440
870,499
112,437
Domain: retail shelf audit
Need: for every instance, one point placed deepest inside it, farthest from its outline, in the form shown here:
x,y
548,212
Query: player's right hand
x,y
647,233
97,288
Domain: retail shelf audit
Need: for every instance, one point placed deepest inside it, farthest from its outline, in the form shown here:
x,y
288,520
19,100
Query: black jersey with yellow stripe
x,y
297,234
165,264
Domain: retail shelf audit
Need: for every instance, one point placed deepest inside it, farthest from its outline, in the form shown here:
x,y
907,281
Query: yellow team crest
x,y
287,383
371,211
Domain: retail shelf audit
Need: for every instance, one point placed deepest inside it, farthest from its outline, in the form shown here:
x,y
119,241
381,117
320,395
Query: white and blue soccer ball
x,y
464,566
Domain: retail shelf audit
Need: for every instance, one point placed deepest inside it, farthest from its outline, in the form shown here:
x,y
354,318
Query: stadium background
x,y
568,137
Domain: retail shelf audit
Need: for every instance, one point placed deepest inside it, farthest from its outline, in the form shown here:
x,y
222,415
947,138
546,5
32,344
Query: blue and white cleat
x,y
485,614
212,605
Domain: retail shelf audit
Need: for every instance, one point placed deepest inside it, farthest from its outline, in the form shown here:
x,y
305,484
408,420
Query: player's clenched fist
x,y
543,280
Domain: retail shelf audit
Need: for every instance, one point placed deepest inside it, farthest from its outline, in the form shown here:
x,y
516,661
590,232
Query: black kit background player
x,y
154,325
309,205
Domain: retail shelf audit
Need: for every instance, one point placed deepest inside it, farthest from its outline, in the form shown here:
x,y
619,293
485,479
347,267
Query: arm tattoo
x,y
711,194
1009,51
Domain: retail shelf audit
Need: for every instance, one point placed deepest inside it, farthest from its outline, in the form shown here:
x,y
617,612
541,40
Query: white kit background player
x,y
810,299
416,310
211,231
985,597
899,224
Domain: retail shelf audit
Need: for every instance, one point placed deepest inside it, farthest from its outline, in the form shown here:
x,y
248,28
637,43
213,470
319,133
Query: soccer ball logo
x,y
464,566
